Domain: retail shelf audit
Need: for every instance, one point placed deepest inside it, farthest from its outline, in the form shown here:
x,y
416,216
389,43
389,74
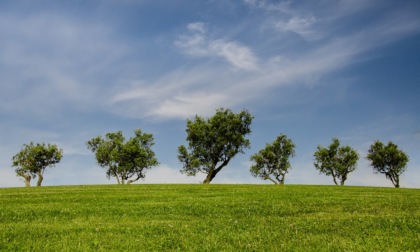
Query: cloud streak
x,y
200,89
198,45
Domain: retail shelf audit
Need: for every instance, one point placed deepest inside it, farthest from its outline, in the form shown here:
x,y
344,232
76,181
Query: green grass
x,y
209,218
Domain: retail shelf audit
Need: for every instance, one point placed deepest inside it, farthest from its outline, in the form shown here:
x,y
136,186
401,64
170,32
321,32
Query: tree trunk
x,y
397,182
118,179
282,180
27,180
133,180
210,176
395,179
40,179
213,170
272,180
343,179
335,181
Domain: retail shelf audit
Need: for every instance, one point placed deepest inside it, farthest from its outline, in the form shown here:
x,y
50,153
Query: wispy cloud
x,y
202,88
178,94
283,6
197,44
299,25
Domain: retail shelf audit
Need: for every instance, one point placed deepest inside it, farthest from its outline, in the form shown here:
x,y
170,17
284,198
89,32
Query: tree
x,y
273,160
336,161
32,160
213,142
388,160
124,159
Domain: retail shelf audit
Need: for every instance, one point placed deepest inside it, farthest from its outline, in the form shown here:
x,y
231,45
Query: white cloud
x,y
302,26
237,55
194,45
197,44
197,27
182,106
179,94
283,6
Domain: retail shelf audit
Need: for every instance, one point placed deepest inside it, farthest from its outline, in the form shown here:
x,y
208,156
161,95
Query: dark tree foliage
x,y
336,161
272,162
32,160
124,159
213,142
388,160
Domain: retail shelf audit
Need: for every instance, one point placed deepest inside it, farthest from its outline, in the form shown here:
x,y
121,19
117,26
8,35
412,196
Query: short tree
x,y
124,159
273,160
32,160
388,160
336,161
213,142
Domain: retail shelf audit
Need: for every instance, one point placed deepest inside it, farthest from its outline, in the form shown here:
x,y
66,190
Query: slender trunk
x,y
397,182
272,180
335,181
343,179
133,180
210,175
209,178
395,179
213,170
40,179
124,178
27,180
282,180
118,179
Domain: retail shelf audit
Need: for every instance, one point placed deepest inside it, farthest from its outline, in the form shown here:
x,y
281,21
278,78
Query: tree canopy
x,y
336,161
124,159
388,160
32,160
214,141
272,162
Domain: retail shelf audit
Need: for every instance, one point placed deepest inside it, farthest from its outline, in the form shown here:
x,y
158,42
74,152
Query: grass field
x,y
209,218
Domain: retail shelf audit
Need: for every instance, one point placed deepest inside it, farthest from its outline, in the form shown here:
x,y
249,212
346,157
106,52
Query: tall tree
x,y
124,159
388,159
273,160
32,161
213,142
336,161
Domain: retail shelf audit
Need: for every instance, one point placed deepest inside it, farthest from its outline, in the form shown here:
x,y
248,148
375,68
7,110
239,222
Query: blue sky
x,y
313,70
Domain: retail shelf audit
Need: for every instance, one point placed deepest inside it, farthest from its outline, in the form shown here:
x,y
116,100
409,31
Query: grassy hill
x,y
209,218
